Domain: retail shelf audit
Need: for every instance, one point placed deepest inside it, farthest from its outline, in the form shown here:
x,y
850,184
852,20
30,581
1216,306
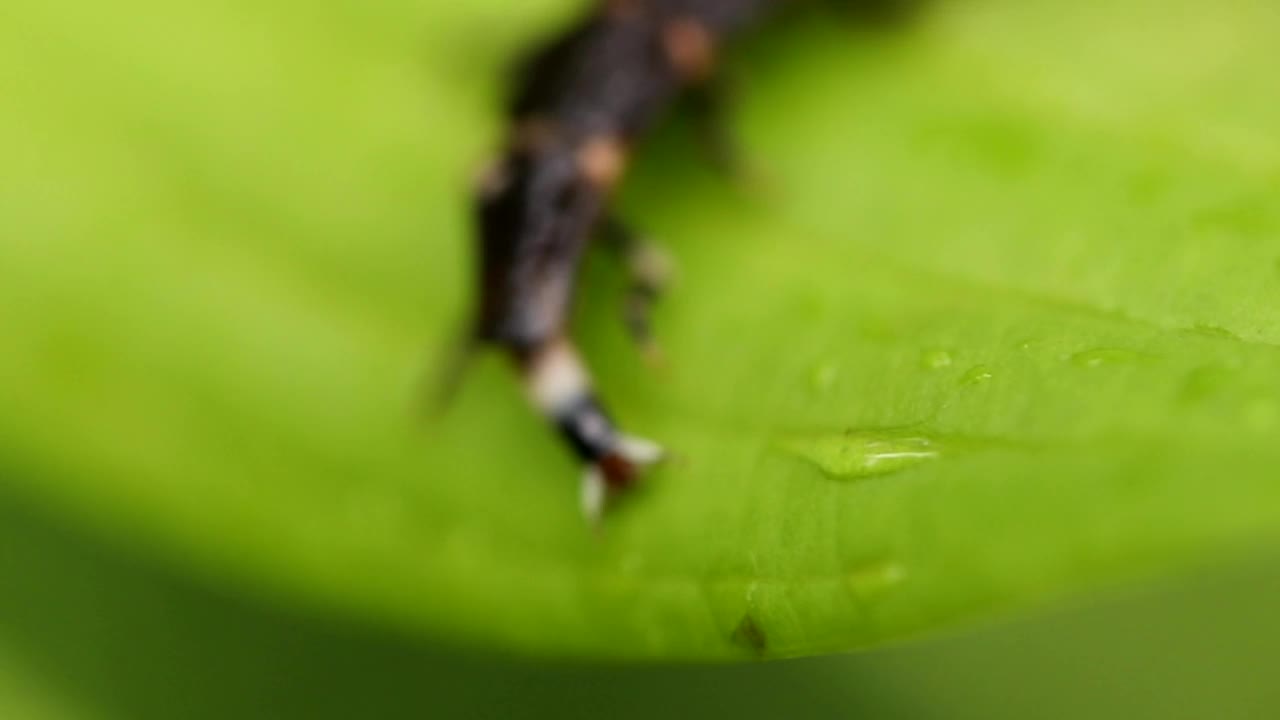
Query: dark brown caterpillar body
x,y
580,103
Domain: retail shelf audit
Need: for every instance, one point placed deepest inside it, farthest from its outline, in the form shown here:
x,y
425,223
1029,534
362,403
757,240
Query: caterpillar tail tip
x,y
605,479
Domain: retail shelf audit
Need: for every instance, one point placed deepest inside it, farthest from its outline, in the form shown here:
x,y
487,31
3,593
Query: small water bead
x,y
1099,357
976,375
1214,331
855,454
875,578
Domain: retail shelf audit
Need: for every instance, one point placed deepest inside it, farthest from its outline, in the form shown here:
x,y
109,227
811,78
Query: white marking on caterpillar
x,y
557,378
638,450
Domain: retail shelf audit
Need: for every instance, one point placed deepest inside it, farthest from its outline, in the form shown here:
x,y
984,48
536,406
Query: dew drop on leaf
x,y
976,375
875,578
1213,331
859,454
1105,356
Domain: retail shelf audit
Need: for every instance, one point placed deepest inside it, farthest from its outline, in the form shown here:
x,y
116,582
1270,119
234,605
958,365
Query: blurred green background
x,y
1038,238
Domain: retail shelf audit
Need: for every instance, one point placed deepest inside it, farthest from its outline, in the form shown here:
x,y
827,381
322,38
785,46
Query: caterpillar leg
x,y
650,270
443,382
711,104
558,384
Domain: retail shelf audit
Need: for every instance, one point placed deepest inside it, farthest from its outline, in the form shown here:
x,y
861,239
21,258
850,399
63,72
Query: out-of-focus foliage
x,y
999,323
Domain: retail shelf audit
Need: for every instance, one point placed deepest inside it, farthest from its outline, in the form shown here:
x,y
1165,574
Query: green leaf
x,y
998,325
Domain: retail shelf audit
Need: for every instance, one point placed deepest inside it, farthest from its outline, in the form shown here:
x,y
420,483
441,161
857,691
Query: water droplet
x,y
862,454
976,375
935,359
1105,356
875,578
823,377
1213,331
1028,344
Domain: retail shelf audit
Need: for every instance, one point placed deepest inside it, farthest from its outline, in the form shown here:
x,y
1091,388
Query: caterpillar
x,y
580,104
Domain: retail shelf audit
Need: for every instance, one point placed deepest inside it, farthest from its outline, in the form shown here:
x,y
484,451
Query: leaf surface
x,y
997,326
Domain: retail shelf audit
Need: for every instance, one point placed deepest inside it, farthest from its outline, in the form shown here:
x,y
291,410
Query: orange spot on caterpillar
x,y
602,160
690,47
